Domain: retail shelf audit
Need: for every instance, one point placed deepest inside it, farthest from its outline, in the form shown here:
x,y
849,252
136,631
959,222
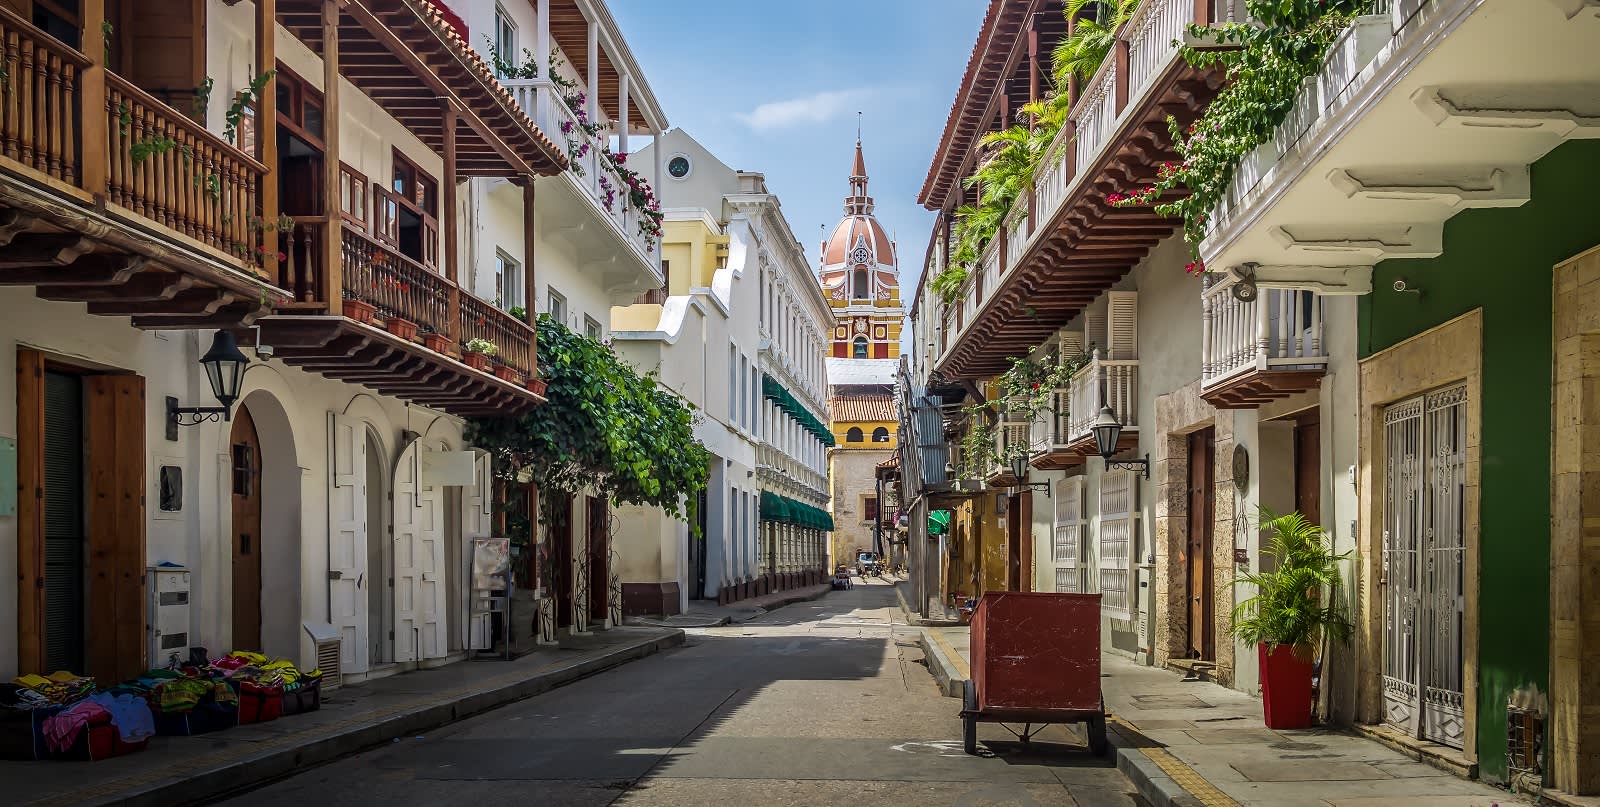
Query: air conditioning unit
x,y
168,612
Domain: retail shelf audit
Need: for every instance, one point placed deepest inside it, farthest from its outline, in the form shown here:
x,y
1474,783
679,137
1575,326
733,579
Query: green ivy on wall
x,y
605,426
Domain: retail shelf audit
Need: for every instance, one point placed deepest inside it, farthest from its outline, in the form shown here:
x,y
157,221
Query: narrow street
x,y
816,703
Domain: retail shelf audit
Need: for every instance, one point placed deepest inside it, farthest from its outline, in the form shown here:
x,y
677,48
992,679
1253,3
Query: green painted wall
x,y
1500,260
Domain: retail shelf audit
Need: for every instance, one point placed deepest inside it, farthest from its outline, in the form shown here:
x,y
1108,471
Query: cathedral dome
x,y
858,257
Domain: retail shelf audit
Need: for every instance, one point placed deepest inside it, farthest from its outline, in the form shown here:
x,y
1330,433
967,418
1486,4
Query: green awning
x,y
938,522
785,400
784,510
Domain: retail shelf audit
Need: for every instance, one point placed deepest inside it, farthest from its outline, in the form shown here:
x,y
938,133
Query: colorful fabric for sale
x,y
61,731
129,713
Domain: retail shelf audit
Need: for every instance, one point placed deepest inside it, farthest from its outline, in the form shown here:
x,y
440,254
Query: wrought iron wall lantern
x,y
224,365
1107,429
1019,469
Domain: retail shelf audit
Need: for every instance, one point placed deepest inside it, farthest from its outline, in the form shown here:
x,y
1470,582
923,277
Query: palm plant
x,y
1293,602
1093,35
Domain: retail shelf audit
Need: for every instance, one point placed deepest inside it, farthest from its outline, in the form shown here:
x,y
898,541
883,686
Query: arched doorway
x,y
262,490
244,452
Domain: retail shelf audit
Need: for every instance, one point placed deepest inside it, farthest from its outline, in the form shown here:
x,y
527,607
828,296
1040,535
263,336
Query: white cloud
x,y
818,108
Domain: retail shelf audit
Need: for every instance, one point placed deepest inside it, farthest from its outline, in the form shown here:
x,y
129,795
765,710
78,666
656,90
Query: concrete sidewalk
x,y
181,770
707,614
1195,742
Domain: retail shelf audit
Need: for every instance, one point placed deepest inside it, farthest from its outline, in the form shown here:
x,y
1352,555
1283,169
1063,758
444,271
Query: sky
x,y
774,87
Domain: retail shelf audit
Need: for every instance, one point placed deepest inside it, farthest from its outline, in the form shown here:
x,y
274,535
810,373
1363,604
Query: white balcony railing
x,y
1061,417
1103,382
542,101
1279,330
1009,436
1153,36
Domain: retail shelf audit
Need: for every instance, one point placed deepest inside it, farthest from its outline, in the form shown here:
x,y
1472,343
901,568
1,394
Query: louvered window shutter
x,y
1122,331
1071,344
1094,329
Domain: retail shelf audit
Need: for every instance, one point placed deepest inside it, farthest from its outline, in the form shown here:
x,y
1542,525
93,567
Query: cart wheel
x,y
969,719
1097,735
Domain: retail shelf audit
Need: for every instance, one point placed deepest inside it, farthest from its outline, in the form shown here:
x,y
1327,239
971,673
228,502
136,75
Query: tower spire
x,y
858,201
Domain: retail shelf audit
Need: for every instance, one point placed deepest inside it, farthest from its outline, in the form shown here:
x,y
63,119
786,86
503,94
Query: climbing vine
x,y
1024,392
1266,60
605,427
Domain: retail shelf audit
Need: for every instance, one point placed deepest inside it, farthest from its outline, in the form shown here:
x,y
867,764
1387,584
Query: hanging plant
x,y
1266,60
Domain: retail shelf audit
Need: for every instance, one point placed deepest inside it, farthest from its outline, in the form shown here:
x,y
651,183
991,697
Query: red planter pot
x,y
436,342
536,386
358,310
476,361
507,375
403,328
1285,687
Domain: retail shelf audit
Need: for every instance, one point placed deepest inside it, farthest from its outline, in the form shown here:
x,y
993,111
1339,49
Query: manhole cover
x,y
1169,702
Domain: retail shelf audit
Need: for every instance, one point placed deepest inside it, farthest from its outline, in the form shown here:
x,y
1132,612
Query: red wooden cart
x,y
1035,661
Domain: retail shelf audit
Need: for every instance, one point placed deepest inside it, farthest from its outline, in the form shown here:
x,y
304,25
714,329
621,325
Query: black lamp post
x,y
1106,431
224,366
1019,469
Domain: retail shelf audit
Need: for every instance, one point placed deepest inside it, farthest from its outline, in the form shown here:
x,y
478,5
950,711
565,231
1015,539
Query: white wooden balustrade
x,y
1279,330
1103,382
1009,436
542,101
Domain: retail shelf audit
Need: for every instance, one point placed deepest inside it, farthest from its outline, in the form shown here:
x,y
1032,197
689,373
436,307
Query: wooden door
x,y
245,456
348,605
559,543
160,47
599,559
1308,467
418,530
1202,456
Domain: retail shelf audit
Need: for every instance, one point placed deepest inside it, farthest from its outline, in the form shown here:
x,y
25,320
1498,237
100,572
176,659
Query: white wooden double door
x,y
417,533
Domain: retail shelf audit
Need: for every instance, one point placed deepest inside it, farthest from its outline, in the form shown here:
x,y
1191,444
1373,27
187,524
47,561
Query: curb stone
x,y
1153,784
285,758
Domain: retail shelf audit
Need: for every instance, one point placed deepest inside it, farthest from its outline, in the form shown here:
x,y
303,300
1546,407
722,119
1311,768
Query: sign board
x,y
447,468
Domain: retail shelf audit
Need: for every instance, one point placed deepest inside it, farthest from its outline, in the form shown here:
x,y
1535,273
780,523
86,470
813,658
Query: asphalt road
x,y
826,702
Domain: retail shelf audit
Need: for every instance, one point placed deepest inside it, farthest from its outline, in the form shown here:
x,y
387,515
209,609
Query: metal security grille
x,y
1425,439
1066,553
1116,539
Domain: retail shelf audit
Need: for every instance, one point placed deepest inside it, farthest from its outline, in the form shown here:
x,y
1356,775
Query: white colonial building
x,y
736,334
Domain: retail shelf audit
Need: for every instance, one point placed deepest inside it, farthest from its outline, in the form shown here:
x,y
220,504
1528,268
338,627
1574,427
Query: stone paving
x,y
1212,742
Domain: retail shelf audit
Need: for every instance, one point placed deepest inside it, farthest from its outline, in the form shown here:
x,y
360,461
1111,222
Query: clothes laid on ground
x,y
62,730
130,714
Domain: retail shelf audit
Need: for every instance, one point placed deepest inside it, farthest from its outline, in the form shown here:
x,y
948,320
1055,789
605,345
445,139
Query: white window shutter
x,y
1117,514
1071,344
1094,328
1122,331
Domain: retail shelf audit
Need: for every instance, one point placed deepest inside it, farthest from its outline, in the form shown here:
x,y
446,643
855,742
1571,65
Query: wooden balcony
x,y
109,196
1064,243
425,369
1254,351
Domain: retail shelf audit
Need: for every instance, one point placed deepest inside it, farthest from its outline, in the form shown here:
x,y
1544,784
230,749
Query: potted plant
x,y
401,327
436,342
536,385
359,310
476,353
508,374
1291,611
